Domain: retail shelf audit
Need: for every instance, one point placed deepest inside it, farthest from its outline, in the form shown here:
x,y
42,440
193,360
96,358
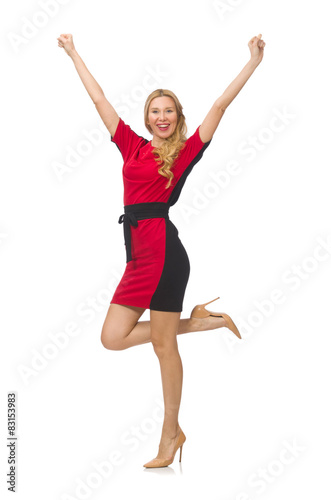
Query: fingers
x,y
65,40
64,37
256,37
256,40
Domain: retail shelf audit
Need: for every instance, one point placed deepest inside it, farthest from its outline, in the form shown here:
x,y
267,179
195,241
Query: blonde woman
x,y
157,265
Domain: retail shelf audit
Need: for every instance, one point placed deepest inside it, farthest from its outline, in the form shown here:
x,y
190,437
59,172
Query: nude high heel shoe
x,y
162,462
199,311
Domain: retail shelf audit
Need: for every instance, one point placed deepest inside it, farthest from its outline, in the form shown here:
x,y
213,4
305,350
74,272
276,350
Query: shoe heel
x,y
180,455
210,302
199,311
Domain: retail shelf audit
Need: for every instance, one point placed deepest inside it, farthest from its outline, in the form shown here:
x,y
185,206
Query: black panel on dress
x,y
170,291
179,186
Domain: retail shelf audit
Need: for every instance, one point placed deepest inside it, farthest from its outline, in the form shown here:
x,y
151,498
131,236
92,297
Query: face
x,y
162,118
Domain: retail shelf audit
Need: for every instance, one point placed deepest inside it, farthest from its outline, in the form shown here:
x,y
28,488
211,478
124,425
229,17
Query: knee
x,y
162,347
110,342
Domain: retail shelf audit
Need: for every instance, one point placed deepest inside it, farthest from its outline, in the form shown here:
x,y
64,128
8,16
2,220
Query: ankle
x,y
196,324
209,323
170,432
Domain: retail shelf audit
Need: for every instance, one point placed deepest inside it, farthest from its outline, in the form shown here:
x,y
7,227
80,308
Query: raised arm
x,y
106,111
210,123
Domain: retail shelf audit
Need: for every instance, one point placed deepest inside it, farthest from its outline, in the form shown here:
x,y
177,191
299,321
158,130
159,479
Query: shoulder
x,y
124,132
123,127
127,140
194,143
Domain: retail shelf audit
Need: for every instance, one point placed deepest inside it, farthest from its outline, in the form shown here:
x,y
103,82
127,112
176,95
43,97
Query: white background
x,y
243,403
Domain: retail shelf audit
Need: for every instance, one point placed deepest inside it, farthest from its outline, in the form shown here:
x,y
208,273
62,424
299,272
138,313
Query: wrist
x,y
73,54
254,61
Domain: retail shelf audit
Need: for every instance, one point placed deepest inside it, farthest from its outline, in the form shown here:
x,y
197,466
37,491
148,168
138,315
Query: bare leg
x,y
121,328
164,328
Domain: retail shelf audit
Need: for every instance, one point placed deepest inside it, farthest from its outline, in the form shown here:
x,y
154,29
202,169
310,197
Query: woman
x,y
157,265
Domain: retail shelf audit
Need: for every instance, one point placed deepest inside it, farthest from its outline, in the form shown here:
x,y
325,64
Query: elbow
x,y
222,107
96,100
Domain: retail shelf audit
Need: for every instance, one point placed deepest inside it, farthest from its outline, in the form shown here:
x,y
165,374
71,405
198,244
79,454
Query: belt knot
x,y
136,212
130,218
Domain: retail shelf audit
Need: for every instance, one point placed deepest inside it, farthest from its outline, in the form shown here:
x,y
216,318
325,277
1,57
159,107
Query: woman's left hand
x,y
256,46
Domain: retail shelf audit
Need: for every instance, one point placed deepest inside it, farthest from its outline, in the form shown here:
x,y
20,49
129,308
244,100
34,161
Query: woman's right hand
x,y
65,42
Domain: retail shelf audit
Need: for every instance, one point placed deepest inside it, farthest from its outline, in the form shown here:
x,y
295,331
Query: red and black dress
x,y
157,265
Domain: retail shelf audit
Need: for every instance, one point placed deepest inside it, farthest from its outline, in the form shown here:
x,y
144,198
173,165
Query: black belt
x,y
140,211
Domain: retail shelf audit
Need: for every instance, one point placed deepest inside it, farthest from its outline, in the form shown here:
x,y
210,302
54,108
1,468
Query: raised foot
x,y
208,323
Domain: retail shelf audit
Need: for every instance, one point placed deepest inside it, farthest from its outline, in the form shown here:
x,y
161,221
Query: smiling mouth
x,y
163,127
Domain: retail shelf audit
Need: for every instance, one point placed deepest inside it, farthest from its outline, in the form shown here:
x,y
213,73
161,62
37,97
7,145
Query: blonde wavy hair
x,y
167,153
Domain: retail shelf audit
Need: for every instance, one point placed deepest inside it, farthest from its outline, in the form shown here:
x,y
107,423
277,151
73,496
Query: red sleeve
x,y
126,140
190,154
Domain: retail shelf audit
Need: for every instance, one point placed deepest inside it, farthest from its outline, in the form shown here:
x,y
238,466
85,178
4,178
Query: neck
x,y
157,142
